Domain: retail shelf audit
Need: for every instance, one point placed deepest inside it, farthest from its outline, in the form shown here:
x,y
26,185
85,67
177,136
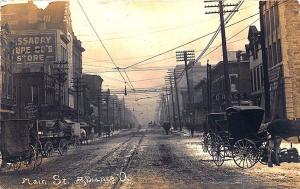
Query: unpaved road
x,y
149,159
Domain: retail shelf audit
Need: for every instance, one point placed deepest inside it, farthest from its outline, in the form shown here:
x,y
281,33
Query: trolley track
x,y
76,164
118,183
111,161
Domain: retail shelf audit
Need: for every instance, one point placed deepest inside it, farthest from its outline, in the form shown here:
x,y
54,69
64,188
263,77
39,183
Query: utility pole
x,y
60,75
107,106
77,86
163,109
177,100
99,103
238,56
124,111
265,63
120,115
208,86
113,113
221,12
173,104
187,56
168,107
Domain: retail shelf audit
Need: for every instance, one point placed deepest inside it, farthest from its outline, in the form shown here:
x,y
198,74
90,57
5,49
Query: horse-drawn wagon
x,y
236,134
19,146
56,136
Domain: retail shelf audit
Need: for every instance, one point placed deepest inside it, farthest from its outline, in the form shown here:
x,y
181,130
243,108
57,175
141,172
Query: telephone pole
x,y
113,113
208,86
77,84
120,115
187,56
169,78
99,103
221,12
265,63
60,75
107,106
168,106
124,111
177,101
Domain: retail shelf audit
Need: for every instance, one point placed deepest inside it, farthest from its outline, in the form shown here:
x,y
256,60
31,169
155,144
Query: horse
x,y
167,127
281,129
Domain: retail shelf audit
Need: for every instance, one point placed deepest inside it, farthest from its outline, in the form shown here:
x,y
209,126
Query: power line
x,y
100,40
160,60
181,74
184,44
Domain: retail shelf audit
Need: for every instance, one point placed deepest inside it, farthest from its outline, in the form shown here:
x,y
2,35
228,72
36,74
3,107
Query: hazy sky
x,y
133,30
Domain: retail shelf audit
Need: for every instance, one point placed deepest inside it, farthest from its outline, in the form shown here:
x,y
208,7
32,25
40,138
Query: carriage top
x,y
239,121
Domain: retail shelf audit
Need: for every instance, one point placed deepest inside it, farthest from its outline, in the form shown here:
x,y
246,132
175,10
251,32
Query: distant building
x,y
200,103
256,68
239,75
282,36
196,72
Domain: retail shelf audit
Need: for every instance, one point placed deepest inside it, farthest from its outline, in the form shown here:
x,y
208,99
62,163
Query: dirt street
x,y
147,159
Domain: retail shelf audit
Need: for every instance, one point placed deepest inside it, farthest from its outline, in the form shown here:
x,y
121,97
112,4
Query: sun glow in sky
x,y
133,30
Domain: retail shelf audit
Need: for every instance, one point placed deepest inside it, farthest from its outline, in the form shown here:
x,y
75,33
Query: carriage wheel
x,y
39,154
205,143
76,142
15,166
263,153
30,159
63,146
209,144
218,151
245,154
48,149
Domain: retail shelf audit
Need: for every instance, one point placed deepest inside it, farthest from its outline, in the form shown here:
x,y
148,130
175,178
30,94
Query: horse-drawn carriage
x,y
18,145
236,134
57,136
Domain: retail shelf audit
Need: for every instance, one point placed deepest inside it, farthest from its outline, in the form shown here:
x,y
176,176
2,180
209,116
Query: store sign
x,y
35,48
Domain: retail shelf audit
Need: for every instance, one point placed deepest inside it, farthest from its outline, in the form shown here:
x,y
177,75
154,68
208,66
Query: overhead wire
x,y
184,44
99,38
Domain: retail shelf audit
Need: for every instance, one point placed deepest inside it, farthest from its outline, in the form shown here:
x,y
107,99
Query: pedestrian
x,y
83,135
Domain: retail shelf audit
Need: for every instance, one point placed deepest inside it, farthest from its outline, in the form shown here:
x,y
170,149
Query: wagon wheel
x,y
63,146
48,149
245,154
205,142
12,166
39,153
76,142
209,143
218,151
31,158
263,153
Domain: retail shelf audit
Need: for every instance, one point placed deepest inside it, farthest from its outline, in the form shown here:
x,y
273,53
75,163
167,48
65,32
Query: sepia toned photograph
x,y
150,94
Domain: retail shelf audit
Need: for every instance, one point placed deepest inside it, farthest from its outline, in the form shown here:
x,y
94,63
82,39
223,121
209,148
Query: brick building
x,y
254,51
239,74
44,38
282,36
